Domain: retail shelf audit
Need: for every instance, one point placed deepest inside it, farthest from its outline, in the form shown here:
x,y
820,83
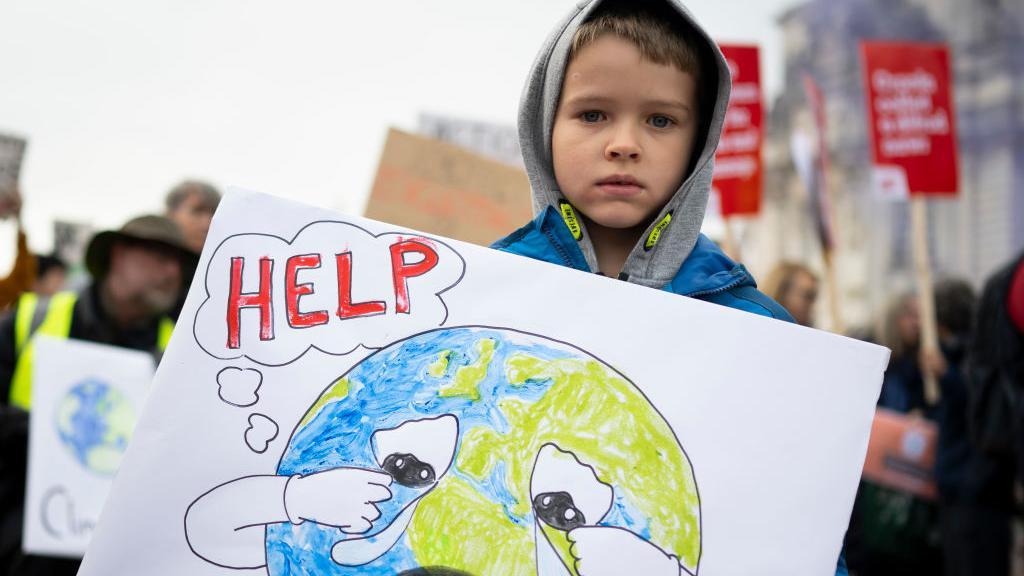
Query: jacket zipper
x,y
739,280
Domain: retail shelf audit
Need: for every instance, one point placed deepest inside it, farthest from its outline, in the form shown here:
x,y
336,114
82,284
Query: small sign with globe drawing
x,y
85,401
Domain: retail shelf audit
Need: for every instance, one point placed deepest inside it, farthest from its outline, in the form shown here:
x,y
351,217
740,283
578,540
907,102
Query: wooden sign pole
x,y
893,72
926,296
835,310
829,253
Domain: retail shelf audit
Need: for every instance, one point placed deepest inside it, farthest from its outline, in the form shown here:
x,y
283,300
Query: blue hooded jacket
x,y
706,274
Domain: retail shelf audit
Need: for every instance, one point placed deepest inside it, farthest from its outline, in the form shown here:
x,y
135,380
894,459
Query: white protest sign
x,y
345,397
85,400
70,240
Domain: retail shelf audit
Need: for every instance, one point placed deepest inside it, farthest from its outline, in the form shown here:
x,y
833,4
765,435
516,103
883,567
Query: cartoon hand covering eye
x,y
417,455
569,502
566,494
222,525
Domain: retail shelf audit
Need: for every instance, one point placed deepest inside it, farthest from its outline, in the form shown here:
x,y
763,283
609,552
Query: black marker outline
x,y
298,297
458,430
337,309
245,435
593,471
255,392
184,525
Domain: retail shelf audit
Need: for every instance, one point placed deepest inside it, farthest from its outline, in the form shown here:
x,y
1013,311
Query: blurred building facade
x,y
972,234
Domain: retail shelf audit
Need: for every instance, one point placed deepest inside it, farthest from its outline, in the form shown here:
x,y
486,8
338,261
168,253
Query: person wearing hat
x,y
137,275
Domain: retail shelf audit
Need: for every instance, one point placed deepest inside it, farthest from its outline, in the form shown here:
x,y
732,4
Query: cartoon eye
x,y
557,510
417,453
565,492
408,471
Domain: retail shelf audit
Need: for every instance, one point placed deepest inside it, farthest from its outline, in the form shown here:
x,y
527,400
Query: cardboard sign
x,y
901,454
12,150
342,396
443,189
912,119
738,167
85,401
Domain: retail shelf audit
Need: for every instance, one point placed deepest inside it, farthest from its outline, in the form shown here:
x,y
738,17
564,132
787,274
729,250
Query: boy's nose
x,y
622,145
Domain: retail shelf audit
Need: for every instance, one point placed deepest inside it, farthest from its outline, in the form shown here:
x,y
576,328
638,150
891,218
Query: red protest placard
x,y
911,116
738,168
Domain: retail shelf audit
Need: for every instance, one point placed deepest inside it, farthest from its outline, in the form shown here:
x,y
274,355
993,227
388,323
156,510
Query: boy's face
x,y
623,133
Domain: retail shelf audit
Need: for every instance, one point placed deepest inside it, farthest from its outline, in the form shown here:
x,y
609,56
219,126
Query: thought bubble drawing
x,y
239,387
260,433
333,287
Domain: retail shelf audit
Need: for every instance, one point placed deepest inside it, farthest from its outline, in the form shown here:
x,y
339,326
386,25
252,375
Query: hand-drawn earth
x,y
95,422
513,394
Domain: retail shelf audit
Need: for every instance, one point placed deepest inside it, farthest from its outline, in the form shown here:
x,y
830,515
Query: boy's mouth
x,y
620,185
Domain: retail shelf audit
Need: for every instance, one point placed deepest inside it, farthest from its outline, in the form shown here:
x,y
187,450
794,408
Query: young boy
x,y
618,123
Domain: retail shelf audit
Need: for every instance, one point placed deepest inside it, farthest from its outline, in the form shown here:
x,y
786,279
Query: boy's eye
x,y
659,121
592,116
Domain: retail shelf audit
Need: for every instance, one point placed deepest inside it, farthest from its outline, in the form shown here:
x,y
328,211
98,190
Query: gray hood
x,y
658,265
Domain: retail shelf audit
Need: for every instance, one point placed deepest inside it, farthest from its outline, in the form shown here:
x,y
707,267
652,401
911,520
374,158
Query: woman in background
x,y
795,287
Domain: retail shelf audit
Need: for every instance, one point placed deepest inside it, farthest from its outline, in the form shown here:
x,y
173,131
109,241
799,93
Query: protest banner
x,y
343,396
912,122
443,189
901,453
70,240
739,169
12,151
913,147
739,172
85,401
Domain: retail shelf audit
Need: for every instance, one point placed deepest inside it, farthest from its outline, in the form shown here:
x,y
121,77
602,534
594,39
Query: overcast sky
x,y
121,99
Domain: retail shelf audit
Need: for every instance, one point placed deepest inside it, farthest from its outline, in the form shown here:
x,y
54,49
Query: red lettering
x,y
346,308
401,272
237,300
293,291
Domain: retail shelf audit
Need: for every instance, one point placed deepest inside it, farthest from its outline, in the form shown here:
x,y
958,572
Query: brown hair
x,y
658,38
209,197
663,37
890,336
781,277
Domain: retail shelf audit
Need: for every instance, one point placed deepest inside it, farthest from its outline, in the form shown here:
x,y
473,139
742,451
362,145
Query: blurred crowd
x,y
138,276
969,528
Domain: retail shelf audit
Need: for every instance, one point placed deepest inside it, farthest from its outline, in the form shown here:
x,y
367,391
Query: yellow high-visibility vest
x,y
56,323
